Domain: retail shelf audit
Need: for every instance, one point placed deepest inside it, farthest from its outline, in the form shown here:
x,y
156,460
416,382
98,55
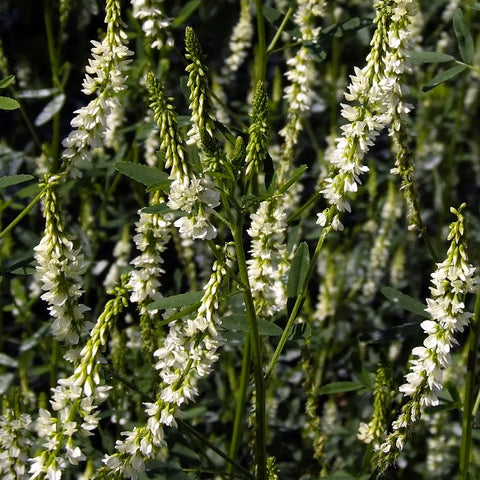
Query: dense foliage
x,y
239,239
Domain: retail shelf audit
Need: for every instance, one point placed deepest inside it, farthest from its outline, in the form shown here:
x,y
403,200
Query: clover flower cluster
x,y
105,78
76,399
60,268
451,281
187,354
377,91
301,69
151,239
15,441
197,197
154,22
268,264
240,41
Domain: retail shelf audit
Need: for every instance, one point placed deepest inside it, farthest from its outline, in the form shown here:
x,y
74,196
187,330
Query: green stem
x,y
298,304
261,46
256,344
21,215
469,395
240,407
274,41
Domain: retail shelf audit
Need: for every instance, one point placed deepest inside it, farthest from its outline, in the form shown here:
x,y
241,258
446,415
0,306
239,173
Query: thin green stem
x,y
280,30
261,46
469,395
297,307
240,407
256,344
21,215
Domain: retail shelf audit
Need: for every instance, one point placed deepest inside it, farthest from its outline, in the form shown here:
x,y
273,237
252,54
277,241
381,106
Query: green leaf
x,y
159,209
429,57
176,301
141,173
10,180
298,270
5,82
340,387
444,76
50,110
34,340
317,52
352,25
7,103
464,37
5,381
185,12
239,322
294,177
7,361
405,301
271,15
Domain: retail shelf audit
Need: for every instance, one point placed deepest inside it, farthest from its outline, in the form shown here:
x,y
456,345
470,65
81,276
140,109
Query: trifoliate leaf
x,y
298,270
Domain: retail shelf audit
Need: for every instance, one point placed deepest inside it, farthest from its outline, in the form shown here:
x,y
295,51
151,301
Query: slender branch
x,y
280,30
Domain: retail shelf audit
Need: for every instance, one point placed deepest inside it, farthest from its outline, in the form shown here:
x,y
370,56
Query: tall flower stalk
x,y
376,91
451,282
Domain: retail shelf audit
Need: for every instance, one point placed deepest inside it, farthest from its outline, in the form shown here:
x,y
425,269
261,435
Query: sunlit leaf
x,y
50,110
7,103
444,76
340,387
176,301
7,81
10,180
429,57
142,173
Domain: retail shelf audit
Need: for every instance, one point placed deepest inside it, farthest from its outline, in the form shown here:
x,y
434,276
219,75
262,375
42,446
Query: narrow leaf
x,y
176,301
10,180
7,103
406,301
185,12
50,110
298,270
5,382
159,209
7,361
239,322
141,173
340,387
444,76
464,37
5,82
429,57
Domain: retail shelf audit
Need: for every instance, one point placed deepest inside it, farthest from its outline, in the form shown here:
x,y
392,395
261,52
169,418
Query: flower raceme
x,y
377,91
451,281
